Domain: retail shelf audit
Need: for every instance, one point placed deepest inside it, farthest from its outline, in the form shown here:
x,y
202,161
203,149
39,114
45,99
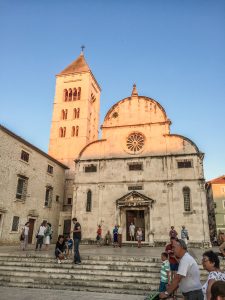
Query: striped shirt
x,y
164,269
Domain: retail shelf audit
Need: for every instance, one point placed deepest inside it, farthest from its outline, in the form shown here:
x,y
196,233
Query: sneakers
x,y
59,261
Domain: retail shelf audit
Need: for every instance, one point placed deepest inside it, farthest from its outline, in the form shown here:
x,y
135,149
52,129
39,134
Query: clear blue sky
x,y
174,50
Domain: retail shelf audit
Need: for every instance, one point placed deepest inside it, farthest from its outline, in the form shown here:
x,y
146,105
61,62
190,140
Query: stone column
x,y
151,235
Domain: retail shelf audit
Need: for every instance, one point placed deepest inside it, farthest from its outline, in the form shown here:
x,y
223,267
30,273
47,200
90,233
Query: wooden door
x,y
67,227
31,230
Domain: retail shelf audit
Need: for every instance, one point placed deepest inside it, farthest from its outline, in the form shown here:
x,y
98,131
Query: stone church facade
x,y
137,172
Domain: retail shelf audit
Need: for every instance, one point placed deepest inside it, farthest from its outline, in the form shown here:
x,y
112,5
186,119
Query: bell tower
x,y
75,119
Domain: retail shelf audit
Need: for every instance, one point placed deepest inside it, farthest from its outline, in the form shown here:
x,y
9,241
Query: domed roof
x,y
135,110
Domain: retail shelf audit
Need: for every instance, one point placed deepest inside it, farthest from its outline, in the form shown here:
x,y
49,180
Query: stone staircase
x,y
112,274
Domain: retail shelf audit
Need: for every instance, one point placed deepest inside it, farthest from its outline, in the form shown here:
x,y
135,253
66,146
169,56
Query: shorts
x,y
162,286
174,267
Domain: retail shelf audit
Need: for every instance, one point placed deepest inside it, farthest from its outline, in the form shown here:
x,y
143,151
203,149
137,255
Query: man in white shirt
x,y
132,231
187,277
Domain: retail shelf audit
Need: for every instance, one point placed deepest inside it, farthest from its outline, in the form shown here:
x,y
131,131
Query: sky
x,y
173,50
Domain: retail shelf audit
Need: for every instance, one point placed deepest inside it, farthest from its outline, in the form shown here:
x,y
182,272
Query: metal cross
x,y
82,48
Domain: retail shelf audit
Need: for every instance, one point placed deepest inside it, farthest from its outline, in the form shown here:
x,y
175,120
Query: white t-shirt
x,y
188,268
42,230
215,275
120,230
26,230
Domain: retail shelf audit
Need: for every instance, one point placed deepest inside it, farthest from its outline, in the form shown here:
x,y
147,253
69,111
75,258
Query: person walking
x,y
77,239
173,232
187,277
172,259
115,236
184,235
132,231
40,235
25,233
99,236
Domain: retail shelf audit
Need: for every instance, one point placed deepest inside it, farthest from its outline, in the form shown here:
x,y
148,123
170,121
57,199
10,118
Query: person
x,y
40,235
164,272
220,237
108,238
115,236
173,232
132,231
47,236
211,263
69,246
120,236
77,239
184,235
60,249
187,277
218,290
99,235
222,245
172,259
139,235
24,236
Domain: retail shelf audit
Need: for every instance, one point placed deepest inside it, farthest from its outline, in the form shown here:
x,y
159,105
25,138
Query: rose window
x,y
135,142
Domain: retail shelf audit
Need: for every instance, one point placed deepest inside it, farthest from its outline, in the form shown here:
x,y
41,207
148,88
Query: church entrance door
x,y
137,217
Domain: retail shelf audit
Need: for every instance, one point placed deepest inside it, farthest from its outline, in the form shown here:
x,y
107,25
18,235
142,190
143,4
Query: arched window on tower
x,y
187,198
64,114
79,93
76,113
64,131
77,130
70,95
73,132
60,132
65,95
74,94
89,200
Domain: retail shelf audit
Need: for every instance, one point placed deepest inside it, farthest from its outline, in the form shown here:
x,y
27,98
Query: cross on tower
x,y
82,48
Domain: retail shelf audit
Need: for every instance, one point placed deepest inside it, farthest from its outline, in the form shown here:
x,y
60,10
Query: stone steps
x,y
115,274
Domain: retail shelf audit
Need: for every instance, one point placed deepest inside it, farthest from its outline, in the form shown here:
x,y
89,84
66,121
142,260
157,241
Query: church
x,y
137,172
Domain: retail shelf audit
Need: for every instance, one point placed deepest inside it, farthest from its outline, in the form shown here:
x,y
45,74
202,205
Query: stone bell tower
x,y
76,108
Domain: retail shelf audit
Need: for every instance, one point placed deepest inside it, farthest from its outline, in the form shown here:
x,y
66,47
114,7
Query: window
x,y
76,113
79,93
187,199
88,205
48,196
70,95
135,167
21,190
65,95
77,130
74,94
64,114
223,189
135,187
15,223
69,201
24,156
90,168
50,169
184,164
62,131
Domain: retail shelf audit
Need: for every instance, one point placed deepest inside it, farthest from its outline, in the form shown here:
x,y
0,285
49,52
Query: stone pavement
x,y
11,293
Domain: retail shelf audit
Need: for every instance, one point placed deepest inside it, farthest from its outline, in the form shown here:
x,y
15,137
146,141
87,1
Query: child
x,y
164,272
60,248
69,246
